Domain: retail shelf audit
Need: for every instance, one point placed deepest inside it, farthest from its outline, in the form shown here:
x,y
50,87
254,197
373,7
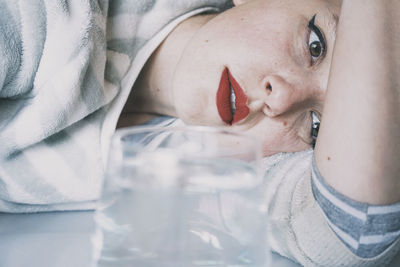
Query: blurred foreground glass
x,y
175,197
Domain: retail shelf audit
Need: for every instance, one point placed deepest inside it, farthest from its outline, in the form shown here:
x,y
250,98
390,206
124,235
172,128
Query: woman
x,y
261,67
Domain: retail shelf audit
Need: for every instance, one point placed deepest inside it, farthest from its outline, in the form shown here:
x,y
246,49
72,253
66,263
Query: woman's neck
x,y
152,91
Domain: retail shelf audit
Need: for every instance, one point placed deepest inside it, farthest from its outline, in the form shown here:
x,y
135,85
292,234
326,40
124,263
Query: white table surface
x,y
61,239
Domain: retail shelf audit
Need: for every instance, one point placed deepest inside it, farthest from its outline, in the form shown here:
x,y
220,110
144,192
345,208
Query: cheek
x,y
277,137
188,102
195,84
195,106
281,143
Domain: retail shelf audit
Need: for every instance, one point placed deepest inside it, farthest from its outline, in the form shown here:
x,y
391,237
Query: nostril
x,y
269,87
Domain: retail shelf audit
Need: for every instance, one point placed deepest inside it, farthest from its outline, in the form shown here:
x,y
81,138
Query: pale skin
x,y
358,146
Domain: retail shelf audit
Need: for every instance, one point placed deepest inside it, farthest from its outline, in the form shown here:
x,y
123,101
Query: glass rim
x,y
119,133
127,131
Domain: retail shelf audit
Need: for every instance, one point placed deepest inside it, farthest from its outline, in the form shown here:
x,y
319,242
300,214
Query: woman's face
x,y
271,59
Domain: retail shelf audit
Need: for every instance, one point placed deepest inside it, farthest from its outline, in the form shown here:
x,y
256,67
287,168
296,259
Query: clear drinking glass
x,y
189,196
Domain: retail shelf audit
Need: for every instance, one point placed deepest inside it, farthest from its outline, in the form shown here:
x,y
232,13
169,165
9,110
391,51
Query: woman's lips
x,y
224,99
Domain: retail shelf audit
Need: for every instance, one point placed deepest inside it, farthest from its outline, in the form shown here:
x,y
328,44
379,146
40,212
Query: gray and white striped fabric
x,y
66,70
367,230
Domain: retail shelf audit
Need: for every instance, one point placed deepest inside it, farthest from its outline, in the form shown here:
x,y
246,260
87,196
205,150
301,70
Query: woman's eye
x,y
314,127
315,46
316,41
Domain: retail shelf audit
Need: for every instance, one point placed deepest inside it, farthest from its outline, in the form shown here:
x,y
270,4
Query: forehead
x,y
296,6
260,13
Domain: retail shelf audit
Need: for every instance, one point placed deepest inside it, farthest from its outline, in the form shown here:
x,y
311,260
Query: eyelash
x,y
315,32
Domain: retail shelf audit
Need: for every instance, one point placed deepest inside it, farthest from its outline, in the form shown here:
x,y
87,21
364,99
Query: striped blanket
x,y
66,70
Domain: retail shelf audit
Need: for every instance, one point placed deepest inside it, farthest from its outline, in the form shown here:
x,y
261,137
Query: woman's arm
x,y
358,148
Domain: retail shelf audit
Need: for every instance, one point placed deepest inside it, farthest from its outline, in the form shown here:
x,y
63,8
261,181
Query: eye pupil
x,y
315,49
314,134
315,130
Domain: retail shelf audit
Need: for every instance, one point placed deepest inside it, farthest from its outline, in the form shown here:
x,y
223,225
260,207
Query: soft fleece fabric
x,y
66,70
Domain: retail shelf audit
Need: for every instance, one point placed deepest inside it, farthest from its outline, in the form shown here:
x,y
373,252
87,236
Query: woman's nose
x,y
281,96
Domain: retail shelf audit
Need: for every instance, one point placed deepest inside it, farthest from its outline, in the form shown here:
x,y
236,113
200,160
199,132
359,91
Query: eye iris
x,y
315,49
315,130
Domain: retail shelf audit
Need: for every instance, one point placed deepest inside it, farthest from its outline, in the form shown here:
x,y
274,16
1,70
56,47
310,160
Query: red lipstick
x,y
224,99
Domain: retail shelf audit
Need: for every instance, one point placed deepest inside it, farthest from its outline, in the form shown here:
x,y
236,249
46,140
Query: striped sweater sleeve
x,y
367,230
